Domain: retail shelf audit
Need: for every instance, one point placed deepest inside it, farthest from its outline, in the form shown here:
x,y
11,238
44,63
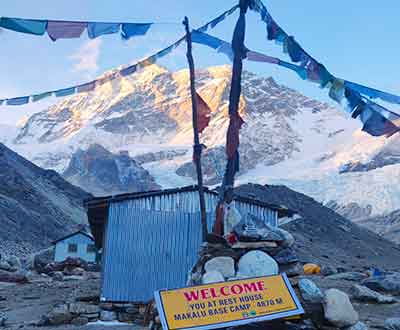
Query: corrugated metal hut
x,y
150,240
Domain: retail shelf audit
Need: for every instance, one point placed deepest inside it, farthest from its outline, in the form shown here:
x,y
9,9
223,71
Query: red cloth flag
x,y
232,141
203,114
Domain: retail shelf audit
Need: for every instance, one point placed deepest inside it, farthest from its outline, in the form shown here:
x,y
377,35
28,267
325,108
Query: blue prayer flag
x,y
374,93
336,91
301,71
96,29
65,92
88,87
377,125
41,96
218,20
226,48
18,100
353,99
129,70
31,26
296,53
134,29
205,39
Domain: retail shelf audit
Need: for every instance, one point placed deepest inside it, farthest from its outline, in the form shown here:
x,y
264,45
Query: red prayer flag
x,y
218,228
203,114
232,141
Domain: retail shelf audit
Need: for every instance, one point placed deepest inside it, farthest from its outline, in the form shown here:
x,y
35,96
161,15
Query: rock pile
x,y
11,270
252,249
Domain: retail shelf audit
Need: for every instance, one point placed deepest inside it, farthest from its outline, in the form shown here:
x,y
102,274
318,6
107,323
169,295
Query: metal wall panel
x,y
152,243
148,250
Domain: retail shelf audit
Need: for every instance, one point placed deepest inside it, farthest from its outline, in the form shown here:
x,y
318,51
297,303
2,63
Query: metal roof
x,y
73,234
101,201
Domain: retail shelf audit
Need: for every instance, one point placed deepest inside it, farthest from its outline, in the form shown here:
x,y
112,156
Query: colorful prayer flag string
x,y
377,120
57,29
94,30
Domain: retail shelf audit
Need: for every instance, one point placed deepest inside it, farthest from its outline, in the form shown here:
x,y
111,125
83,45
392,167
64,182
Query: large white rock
x,y
212,277
257,263
338,309
224,265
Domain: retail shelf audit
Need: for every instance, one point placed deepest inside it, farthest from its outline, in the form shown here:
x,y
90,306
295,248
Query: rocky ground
x,y
59,295
25,304
41,294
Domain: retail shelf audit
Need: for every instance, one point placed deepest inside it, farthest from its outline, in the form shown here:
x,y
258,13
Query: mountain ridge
x,y
37,206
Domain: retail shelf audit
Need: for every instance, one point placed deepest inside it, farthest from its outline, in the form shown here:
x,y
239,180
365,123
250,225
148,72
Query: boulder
x,y
328,270
212,277
292,270
59,315
287,239
386,283
349,276
310,291
58,276
224,265
338,309
126,317
286,256
358,326
364,294
81,308
392,323
78,271
15,262
39,260
79,321
108,316
74,278
256,263
12,277
4,265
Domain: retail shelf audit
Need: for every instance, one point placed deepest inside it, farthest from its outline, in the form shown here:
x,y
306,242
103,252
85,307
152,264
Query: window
x,y
73,248
91,248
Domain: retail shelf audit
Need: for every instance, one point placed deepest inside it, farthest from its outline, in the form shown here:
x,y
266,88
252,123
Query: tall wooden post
x,y
197,147
239,50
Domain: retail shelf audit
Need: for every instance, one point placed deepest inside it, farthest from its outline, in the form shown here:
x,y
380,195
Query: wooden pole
x,y
197,148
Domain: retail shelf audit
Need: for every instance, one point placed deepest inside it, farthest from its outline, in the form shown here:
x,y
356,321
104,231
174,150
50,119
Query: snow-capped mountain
x,y
287,138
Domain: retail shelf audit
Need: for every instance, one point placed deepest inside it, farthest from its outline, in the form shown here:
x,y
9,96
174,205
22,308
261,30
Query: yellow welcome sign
x,y
227,304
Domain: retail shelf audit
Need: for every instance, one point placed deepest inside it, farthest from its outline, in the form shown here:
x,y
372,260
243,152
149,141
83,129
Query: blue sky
x,y
357,40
